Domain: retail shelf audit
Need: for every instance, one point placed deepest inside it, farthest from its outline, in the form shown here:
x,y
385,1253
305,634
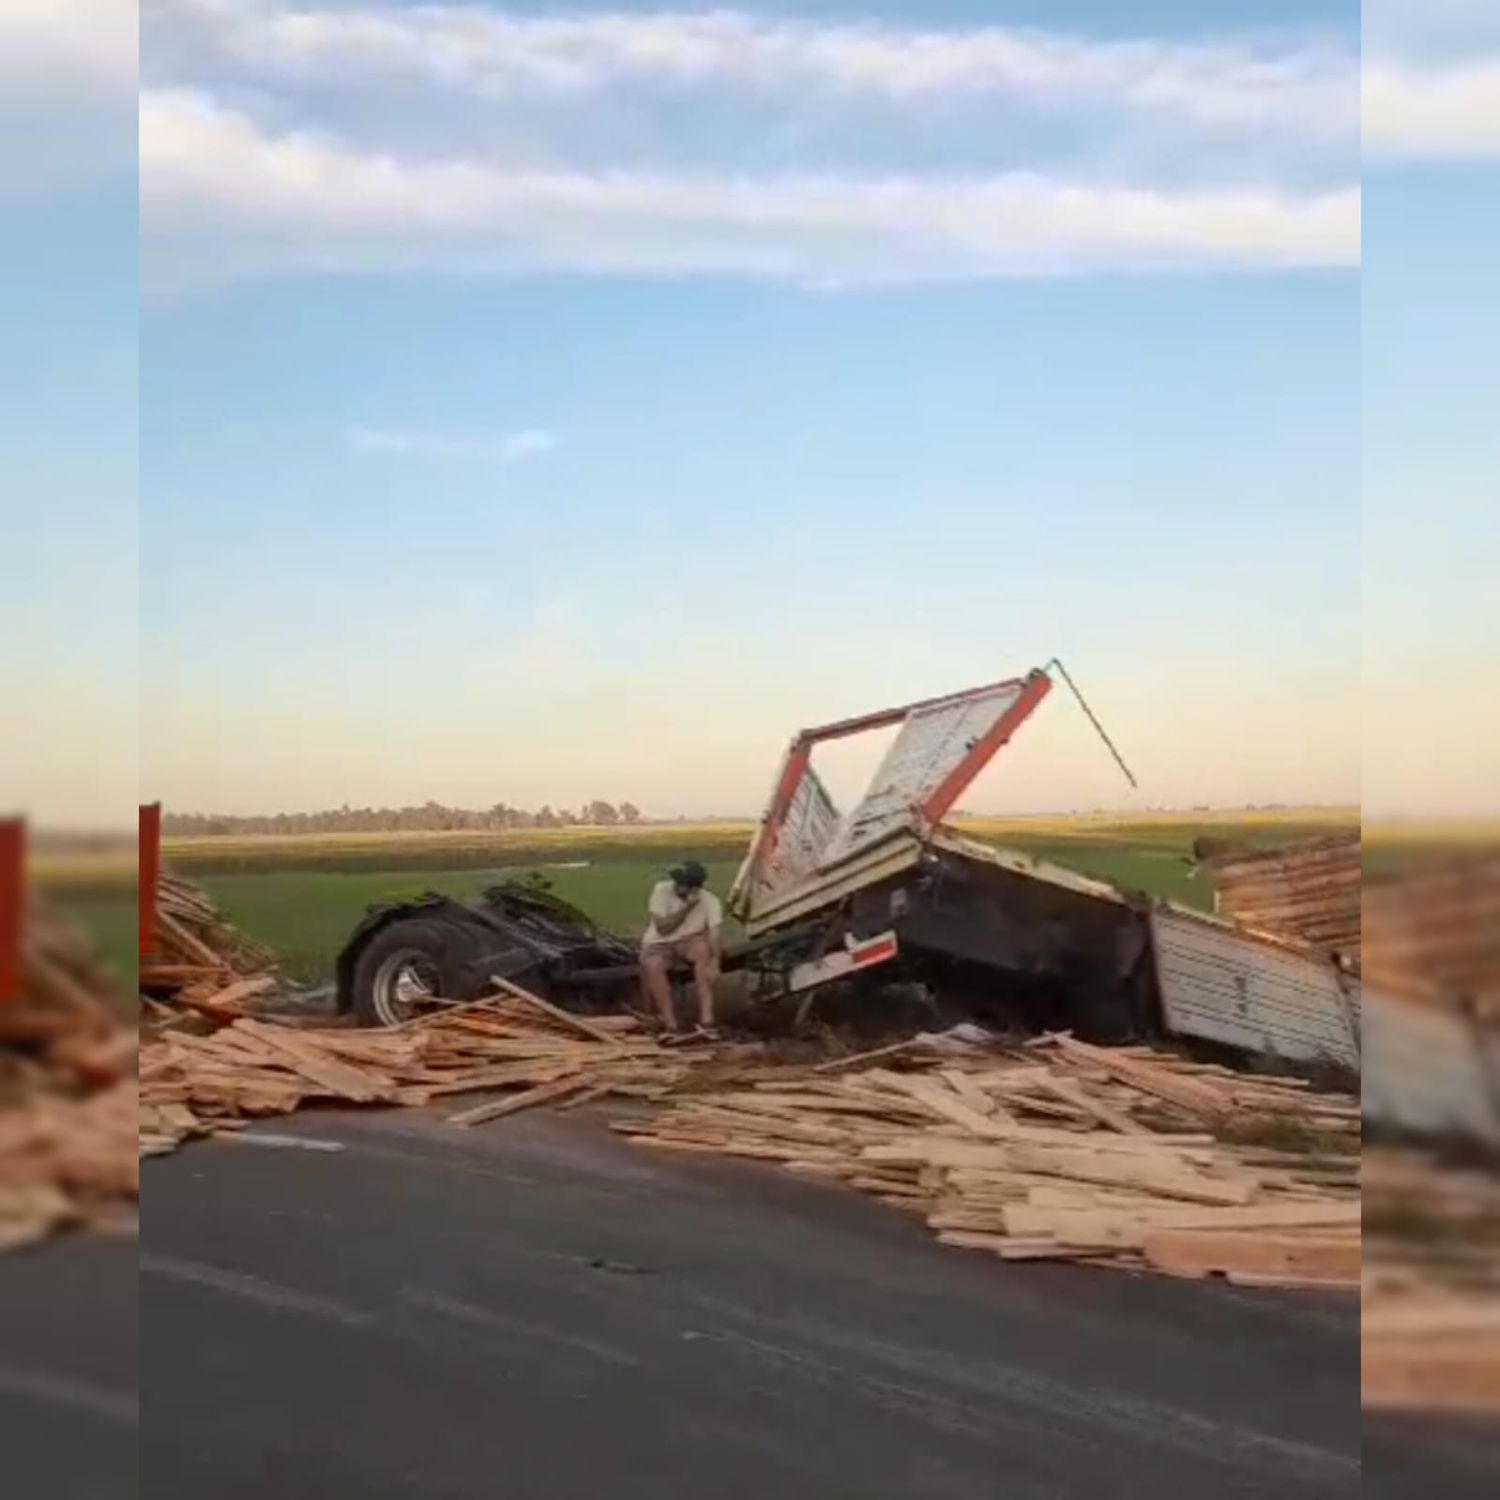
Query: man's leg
x,y
705,974
657,983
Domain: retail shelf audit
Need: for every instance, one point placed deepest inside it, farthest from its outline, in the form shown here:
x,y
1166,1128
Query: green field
x,y
304,895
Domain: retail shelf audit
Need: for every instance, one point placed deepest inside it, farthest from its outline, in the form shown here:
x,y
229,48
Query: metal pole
x,y
1083,704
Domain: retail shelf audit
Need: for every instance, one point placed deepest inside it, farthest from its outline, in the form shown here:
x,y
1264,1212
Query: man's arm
x,y
667,921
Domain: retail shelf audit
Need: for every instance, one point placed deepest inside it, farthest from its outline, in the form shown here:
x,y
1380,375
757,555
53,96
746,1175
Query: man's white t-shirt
x,y
705,914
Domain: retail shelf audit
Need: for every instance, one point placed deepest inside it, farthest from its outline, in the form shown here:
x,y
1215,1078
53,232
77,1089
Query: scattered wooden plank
x,y
300,1053
562,1017
514,1103
1073,1093
1187,1252
864,1059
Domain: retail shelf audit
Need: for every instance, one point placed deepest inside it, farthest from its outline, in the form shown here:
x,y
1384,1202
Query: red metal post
x,y
148,851
12,905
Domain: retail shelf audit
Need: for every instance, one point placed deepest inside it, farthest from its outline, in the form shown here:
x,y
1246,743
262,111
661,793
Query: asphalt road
x,y
537,1309
68,1368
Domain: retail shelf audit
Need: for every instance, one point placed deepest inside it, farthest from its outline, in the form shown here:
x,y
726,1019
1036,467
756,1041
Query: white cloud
x,y
92,41
508,447
527,441
1302,82
1432,112
301,199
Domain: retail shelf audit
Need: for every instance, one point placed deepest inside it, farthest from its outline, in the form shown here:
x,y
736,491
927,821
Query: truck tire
x,y
412,960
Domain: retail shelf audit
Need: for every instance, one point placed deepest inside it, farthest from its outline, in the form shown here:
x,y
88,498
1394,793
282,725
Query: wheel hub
x,y
405,982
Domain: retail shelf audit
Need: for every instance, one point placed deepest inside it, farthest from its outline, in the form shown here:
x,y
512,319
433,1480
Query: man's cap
x,y
689,872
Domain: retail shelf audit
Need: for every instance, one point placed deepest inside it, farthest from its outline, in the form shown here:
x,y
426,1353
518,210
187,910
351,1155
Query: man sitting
x,y
686,924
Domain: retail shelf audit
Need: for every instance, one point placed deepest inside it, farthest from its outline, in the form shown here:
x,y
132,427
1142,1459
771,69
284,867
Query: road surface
x,y
538,1309
68,1368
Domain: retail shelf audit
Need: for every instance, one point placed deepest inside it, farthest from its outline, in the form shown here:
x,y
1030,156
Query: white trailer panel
x,y
1226,985
932,744
1432,1071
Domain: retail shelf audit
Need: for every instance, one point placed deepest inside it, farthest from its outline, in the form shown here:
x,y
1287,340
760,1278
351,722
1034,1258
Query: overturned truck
x,y
889,891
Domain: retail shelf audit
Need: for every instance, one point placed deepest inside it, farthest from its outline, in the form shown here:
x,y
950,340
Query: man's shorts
x,y
693,950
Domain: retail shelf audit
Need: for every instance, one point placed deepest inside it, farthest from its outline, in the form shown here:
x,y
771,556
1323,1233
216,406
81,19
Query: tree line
x,y
430,817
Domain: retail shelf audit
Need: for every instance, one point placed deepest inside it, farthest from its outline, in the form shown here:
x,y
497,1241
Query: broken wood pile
x,y
67,1160
1059,1150
1309,890
67,1085
200,1085
1430,1315
200,959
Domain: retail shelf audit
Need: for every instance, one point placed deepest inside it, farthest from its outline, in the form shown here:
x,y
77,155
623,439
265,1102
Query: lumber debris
x,y
1430,1314
199,1085
201,961
1056,1150
67,1086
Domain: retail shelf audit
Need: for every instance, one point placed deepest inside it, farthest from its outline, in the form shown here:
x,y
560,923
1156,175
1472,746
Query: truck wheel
x,y
409,964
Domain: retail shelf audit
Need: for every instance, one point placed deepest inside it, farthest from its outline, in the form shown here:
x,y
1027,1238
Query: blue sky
x,y
68,361
541,403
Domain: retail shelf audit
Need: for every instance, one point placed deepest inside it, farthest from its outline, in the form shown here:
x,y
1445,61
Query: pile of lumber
x,y
1309,890
67,1160
1060,1150
522,1047
199,959
67,1085
1430,1315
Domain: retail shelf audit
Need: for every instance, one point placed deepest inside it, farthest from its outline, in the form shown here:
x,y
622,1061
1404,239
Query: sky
x,y
549,402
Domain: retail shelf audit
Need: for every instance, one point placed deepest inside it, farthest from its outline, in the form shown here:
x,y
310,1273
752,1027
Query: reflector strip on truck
x,y
844,961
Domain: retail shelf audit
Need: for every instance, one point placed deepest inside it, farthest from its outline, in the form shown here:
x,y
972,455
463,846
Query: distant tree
x,y
429,817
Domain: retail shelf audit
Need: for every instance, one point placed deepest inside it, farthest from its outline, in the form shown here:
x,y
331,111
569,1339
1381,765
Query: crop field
x,y
303,895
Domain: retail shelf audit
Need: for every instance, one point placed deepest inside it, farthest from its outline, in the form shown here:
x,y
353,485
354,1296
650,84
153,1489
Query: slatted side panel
x,y
931,744
1429,1071
811,822
1219,984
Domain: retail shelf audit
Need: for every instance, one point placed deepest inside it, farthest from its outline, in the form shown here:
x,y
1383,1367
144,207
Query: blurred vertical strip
x,y
149,856
12,904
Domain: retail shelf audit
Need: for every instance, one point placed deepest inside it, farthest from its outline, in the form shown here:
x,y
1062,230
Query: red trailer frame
x,y
939,803
148,855
12,905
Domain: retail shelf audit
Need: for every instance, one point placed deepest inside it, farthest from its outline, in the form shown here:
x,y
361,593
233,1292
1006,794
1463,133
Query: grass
x,y
303,895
